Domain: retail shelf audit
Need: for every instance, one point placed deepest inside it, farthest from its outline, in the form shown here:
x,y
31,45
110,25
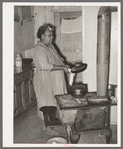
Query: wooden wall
x,y
42,15
23,36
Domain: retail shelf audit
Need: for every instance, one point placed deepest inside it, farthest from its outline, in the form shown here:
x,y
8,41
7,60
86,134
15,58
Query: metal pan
x,y
78,67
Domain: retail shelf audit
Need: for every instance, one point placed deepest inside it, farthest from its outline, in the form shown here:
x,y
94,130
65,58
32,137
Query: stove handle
x,y
106,116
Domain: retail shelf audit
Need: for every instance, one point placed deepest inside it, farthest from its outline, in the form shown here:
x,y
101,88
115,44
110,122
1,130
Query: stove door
x,y
91,119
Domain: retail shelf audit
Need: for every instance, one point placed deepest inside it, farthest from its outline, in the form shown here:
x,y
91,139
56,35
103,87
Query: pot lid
x,y
79,67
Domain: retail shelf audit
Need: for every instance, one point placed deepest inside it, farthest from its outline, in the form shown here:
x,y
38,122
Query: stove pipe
x,y
103,49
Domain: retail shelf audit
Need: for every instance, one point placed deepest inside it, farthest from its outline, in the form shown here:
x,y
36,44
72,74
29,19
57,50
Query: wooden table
x,y
85,116
24,94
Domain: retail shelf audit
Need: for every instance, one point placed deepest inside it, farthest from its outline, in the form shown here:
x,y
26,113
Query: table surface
x,y
67,101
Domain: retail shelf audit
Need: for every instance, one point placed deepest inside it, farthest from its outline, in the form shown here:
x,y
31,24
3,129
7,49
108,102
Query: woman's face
x,y
47,38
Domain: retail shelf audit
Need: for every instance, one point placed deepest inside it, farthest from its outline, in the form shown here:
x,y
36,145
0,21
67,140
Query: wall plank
x,y
23,36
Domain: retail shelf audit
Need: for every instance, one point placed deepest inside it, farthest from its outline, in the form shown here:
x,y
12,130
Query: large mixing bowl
x,y
57,140
78,90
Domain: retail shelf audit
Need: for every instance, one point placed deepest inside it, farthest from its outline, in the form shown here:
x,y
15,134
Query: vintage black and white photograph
x,y
65,60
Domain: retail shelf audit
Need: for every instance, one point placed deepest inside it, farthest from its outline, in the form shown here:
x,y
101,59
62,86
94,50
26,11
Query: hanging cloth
x,y
71,26
71,38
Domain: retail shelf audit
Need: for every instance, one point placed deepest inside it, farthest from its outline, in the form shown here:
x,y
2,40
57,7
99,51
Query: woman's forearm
x,y
57,67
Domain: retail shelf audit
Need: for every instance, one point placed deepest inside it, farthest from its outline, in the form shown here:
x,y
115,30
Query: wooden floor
x,y
27,129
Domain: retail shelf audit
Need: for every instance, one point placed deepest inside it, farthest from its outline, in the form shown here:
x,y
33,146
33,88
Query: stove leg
x,y
108,135
68,130
74,138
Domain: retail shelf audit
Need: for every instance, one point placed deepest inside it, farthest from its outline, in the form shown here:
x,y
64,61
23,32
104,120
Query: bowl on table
x,y
57,140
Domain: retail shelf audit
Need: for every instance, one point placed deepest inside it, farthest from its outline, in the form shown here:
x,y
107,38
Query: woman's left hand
x,y
66,68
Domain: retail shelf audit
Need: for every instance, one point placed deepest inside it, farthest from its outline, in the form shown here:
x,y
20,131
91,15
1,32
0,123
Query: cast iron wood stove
x,y
86,114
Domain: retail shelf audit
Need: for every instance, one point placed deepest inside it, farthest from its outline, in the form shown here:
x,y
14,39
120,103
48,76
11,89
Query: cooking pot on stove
x,y
78,90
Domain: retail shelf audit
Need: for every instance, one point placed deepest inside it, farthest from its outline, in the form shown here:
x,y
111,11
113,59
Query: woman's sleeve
x,y
42,58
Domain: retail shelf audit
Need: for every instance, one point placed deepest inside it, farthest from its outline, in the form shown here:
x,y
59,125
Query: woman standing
x,y
49,77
